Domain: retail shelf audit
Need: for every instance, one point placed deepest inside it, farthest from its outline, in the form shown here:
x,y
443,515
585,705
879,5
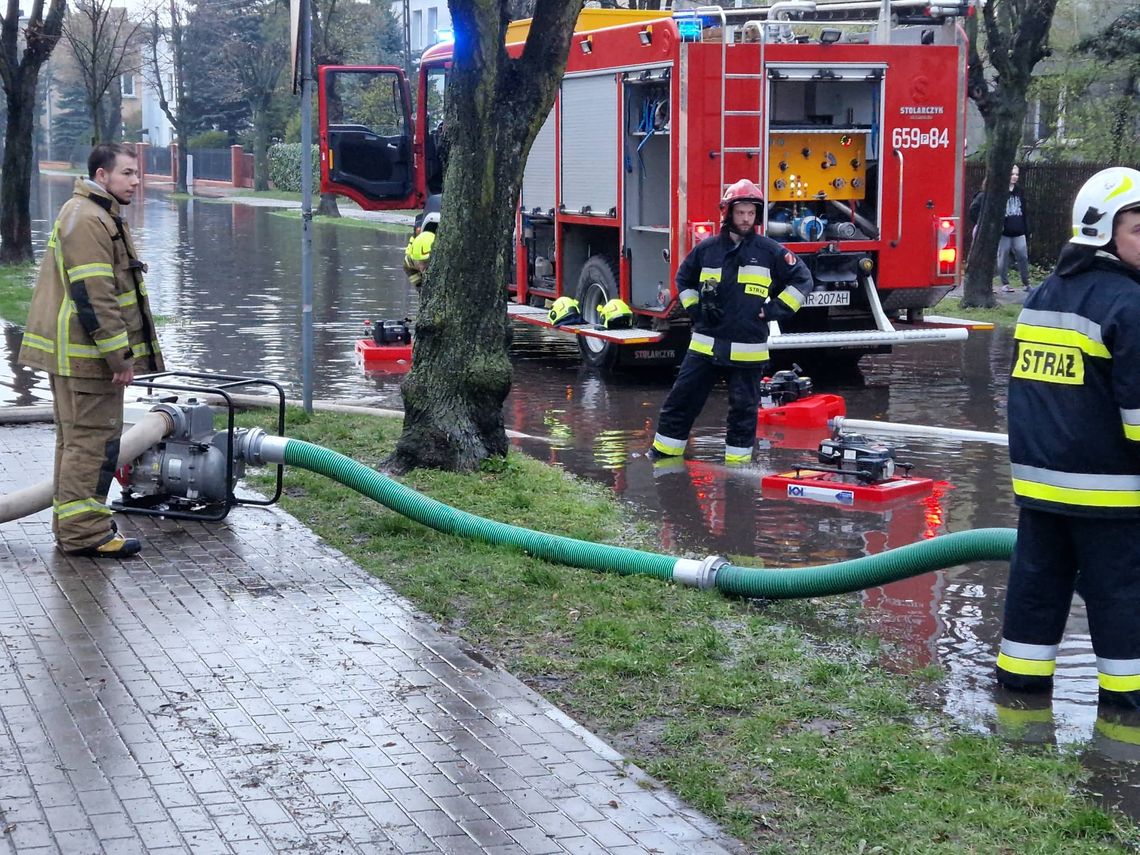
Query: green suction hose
x,y
994,544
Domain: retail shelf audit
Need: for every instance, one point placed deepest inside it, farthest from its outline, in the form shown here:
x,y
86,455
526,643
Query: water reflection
x,y
226,280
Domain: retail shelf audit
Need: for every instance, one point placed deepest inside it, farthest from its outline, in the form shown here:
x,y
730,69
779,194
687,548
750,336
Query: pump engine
x,y
193,471
856,456
783,387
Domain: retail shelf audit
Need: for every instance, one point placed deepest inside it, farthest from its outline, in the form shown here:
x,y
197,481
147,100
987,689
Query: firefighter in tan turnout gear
x,y
90,328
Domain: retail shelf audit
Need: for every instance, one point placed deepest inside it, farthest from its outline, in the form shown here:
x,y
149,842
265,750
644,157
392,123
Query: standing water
x,y
225,281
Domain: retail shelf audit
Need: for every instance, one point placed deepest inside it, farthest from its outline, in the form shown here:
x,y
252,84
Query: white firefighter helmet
x,y
1101,198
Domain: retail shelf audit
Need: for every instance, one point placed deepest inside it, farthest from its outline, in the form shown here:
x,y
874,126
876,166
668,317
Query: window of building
x,y
433,24
127,85
417,30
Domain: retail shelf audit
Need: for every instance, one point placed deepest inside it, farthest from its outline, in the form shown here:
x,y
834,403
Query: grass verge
x,y
795,739
1002,315
345,222
16,281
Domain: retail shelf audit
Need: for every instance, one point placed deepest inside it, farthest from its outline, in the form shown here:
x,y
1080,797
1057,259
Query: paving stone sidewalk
x,y
242,687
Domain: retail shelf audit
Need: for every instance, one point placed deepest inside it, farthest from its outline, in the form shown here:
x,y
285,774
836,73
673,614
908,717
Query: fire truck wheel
x,y
597,284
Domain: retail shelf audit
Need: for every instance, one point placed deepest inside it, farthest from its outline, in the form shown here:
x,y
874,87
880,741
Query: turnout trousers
x,y
88,426
1056,554
688,396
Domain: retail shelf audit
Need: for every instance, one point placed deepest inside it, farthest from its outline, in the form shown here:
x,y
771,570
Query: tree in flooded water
x,y
26,42
495,106
1001,69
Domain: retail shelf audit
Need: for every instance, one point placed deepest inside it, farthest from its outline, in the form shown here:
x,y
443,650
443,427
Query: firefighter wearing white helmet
x,y
732,285
1074,449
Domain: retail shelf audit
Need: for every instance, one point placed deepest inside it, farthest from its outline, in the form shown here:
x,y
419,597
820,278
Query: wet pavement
x,y
242,687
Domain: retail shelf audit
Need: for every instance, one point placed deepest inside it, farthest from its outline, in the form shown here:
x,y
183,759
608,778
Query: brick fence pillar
x,y
141,149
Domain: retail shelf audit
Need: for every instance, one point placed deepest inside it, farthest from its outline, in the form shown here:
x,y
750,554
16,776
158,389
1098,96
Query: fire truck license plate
x,y
828,298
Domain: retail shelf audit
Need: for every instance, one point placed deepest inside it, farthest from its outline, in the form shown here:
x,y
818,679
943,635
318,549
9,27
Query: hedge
x,y
285,166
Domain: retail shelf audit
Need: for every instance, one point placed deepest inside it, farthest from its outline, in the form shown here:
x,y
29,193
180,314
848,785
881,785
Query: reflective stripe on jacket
x,y
90,315
752,277
1074,394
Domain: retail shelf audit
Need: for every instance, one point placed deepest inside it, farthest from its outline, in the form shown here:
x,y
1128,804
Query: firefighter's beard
x,y
734,229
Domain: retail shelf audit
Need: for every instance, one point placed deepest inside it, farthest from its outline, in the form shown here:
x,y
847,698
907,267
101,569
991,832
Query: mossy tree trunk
x,y
27,38
1016,37
453,397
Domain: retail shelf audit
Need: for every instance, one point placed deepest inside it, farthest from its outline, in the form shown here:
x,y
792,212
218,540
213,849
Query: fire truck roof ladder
x,y
865,12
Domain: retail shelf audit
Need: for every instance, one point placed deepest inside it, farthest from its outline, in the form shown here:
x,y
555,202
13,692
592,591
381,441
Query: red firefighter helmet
x,y
742,191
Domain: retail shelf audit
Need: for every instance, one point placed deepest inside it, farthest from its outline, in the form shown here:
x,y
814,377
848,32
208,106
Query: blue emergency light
x,y
689,28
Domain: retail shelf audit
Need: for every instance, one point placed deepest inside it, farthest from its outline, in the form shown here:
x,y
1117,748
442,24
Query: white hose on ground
x,y
141,436
842,422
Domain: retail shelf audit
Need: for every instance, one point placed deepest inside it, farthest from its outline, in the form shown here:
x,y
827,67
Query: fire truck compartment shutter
x,y
832,72
590,143
538,176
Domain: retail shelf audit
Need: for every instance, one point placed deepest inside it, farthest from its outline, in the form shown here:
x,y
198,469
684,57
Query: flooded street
x,y
225,280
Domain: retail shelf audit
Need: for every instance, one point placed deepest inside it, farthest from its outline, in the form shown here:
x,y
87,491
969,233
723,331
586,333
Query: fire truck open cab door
x,y
367,137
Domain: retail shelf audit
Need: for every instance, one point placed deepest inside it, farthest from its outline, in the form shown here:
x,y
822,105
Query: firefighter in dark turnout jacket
x,y
1074,449
732,285
90,327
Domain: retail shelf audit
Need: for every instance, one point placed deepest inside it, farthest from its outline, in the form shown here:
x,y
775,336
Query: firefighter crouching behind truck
x,y
90,328
418,252
1074,449
732,285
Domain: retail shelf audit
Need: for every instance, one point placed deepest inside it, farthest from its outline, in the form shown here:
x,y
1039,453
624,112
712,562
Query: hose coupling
x,y
262,449
698,574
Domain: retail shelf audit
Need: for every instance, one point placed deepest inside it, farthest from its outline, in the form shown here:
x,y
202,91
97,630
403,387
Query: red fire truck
x,y
850,114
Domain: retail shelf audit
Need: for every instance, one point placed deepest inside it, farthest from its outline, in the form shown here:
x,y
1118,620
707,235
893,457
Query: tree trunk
x,y
97,122
112,110
260,151
1003,137
16,182
453,397
180,184
328,207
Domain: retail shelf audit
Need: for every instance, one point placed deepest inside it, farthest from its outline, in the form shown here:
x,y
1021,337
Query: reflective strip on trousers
x,y
668,445
80,506
1118,675
734,454
1030,660
1075,488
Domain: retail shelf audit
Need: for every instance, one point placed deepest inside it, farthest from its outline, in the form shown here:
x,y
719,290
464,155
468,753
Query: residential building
x,y
423,21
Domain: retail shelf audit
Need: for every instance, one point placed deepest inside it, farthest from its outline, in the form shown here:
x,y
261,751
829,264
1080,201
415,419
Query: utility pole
x,y
408,37
306,42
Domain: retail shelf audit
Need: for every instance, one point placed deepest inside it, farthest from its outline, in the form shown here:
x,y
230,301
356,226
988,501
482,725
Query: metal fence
x,y
212,164
157,161
1049,190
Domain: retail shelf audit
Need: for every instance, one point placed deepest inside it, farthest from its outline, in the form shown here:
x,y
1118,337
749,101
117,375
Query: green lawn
x,y
796,739
16,282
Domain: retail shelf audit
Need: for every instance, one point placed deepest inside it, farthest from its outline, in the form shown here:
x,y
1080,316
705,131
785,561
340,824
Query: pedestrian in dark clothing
x,y
1074,449
732,285
1014,234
